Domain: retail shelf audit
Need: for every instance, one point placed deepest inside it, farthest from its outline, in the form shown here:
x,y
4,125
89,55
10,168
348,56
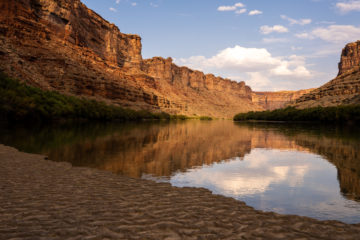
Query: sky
x,y
271,45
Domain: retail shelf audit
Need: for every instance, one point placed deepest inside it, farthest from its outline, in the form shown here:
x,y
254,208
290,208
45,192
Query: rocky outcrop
x,y
63,46
275,100
350,57
344,89
204,94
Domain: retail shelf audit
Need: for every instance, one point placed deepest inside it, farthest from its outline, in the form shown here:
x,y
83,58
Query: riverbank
x,y
49,200
20,102
344,114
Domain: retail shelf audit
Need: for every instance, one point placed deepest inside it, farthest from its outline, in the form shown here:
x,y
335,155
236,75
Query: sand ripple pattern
x,y
41,199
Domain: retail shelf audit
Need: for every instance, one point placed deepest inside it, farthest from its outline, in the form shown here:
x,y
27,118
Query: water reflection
x,y
283,181
267,165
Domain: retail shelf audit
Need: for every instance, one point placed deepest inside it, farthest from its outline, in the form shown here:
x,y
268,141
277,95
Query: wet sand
x,y
41,199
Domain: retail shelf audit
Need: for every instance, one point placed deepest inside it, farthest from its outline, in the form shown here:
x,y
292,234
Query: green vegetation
x,y
184,117
343,114
205,118
21,102
179,117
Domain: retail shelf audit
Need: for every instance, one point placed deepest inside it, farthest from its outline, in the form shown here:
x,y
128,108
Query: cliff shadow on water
x,y
161,149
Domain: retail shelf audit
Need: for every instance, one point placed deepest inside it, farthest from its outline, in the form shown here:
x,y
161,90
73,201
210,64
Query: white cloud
x,y
333,33
292,21
276,28
133,4
275,40
348,6
256,65
226,8
118,1
255,12
241,11
112,9
239,5
234,7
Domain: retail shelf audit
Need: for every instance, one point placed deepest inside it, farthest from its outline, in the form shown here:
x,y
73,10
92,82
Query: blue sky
x,y
271,45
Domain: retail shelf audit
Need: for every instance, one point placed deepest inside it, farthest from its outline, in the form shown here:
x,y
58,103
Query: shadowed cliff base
x,y
19,102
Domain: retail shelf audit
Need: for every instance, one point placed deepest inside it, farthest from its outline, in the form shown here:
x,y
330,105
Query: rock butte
x,y
64,46
344,89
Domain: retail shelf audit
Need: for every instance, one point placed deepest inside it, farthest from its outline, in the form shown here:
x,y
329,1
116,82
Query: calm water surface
x,y
293,169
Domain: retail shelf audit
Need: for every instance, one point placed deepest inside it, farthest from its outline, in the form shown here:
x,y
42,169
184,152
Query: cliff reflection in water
x,y
163,149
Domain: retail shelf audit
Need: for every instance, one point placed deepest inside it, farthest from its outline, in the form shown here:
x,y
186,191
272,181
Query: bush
x,y
345,113
205,118
21,102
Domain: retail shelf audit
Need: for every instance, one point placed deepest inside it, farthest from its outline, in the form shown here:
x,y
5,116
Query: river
x,y
305,169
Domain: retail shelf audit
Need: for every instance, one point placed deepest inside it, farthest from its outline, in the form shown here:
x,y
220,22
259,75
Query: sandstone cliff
x,y
203,94
62,45
275,100
350,57
344,89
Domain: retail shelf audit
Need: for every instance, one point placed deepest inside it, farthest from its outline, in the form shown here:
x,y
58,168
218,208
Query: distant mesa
x,y
64,46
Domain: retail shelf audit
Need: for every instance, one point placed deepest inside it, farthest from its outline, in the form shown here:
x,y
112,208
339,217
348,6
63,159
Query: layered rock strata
x,y
275,100
64,46
350,57
344,89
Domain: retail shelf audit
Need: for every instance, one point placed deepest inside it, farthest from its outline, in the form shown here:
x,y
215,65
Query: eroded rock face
x,y
350,57
275,100
204,94
64,46
344,89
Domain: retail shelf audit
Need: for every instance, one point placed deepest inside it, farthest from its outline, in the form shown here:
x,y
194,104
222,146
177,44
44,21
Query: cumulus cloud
x,y
255,12
292,21
234,7
133,4
270,29
112,9
118,1
333,33
256,65
348,6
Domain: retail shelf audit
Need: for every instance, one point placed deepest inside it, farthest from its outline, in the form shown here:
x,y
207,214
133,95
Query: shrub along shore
x,y
338,114
20,102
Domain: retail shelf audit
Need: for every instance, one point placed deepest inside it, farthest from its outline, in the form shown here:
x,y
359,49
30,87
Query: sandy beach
x,y
41,199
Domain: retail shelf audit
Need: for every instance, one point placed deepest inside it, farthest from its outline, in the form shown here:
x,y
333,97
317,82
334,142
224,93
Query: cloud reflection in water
x,y
290,182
